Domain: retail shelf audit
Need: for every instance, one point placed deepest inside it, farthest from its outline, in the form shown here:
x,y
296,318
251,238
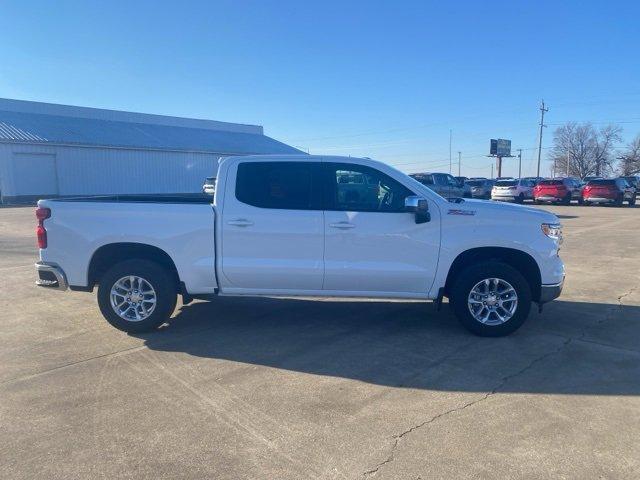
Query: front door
x,y
372,245
272,227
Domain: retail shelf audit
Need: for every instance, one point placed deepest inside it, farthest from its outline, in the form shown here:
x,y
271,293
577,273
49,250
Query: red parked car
x,y
611,190
558,190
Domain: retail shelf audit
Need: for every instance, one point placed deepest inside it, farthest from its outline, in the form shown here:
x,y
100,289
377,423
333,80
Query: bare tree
x,y
581,150
630,158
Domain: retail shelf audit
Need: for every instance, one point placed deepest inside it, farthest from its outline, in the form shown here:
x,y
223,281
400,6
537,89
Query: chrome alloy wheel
x,y
133,298
492,301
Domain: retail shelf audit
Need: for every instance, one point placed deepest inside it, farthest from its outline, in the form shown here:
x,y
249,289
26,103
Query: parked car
x,y
634,181
443,184
480,187
558,190
466,189
517,190
614,191
209,186
290,226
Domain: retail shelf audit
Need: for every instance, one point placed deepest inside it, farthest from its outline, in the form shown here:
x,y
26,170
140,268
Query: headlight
x,y
553,231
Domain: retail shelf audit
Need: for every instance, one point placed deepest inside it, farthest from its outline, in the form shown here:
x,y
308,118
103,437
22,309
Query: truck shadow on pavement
x,y
571,348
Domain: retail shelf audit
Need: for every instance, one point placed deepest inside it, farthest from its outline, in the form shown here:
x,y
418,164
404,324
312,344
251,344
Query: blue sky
x,y
386,80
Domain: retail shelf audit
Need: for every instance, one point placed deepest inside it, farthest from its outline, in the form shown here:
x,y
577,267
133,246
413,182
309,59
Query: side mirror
x,y
418,206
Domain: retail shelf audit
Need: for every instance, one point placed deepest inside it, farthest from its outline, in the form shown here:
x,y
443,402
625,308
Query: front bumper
x,y
51,276
550,292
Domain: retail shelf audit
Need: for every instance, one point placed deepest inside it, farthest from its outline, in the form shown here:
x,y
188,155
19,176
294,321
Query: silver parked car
x,y
443,184
480,187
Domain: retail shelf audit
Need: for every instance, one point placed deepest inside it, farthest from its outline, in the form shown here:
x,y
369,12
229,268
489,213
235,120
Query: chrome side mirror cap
x,y
418,206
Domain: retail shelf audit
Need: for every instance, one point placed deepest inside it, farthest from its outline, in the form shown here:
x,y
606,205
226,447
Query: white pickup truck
x,y
302,226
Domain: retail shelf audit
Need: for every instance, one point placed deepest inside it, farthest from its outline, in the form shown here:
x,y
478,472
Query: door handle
x,y
240,222
342,225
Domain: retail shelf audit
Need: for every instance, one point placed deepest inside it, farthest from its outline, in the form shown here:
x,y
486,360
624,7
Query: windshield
x,y
507,183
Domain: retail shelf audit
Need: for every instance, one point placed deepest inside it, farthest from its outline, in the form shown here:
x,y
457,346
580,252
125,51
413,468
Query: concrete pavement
x,y
273,388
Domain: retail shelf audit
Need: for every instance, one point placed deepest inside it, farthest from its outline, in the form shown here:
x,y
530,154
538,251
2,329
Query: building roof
x,y
35,122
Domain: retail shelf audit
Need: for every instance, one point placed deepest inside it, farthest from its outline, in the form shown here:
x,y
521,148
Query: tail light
x,y
42,214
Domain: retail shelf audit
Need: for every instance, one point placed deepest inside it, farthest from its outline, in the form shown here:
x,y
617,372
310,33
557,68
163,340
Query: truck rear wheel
x,y
491,299
137,295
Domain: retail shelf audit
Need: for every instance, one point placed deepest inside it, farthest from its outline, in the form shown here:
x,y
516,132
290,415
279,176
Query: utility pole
x,y
543,110
492,171
519,163
459,156
450,139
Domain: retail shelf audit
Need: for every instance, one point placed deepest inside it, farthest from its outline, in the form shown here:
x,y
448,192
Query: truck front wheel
x,y
137,295
491,299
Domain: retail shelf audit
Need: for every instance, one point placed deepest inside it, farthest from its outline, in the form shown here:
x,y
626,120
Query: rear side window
x,y
424,179
507,183
280,185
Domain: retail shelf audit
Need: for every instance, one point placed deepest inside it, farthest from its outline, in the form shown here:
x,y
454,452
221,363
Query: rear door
x,y
272,227
371,244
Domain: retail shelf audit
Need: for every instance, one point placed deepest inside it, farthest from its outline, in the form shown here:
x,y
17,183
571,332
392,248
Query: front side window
x,y
279,185
358,188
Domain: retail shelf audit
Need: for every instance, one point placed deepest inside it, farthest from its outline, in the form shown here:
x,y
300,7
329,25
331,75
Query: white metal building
x,y
49,150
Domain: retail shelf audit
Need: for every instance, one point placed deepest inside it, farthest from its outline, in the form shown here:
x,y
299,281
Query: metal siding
x,y
34,173
101,171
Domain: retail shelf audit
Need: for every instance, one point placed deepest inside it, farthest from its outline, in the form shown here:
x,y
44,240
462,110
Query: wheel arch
x,y
518,259
112,253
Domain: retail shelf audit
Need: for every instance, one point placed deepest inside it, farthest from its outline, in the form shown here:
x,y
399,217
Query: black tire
x,y
586,203
537,202
567,199
472,275
155,275
632,201
619,201
520,198
580,201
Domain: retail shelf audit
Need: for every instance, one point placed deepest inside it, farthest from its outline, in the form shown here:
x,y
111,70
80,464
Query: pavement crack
x,y
503,381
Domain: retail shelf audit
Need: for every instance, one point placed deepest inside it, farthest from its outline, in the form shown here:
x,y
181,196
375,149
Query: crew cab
x,y
558,190
614,191
302,226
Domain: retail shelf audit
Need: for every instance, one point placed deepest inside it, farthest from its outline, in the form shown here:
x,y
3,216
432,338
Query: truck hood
x,y
486,208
